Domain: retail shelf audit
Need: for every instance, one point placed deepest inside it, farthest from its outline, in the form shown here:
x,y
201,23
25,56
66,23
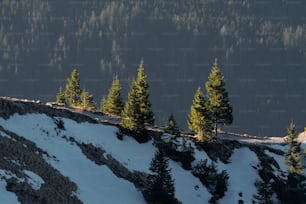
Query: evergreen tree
x,y
131,115
295,186
113,103
60,97
293,156
264,193
171,126
143,95
160,183
73,91
219,106
199,117
87,100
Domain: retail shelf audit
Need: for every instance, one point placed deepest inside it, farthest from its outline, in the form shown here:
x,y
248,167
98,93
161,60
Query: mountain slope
x,y
45,153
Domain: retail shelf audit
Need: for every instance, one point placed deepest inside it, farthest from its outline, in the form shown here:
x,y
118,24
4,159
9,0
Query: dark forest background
x,y
261,47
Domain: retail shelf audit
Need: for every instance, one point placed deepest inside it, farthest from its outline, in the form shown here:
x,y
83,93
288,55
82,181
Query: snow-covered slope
x,y
98,182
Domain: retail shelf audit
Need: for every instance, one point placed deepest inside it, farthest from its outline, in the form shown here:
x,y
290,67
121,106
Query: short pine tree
x,y
199,118
131,115
293,156
143,95
219,105
87,101
171,126
73,91
113,104
264,193
160,183
294,190
60,97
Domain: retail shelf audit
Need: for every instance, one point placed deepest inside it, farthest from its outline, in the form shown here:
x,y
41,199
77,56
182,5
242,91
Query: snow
x,y
242,176
6,196
127,151
34,180
279,159
188,189
96,184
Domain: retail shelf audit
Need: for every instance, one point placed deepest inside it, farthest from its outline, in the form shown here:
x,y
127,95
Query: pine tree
x,y
219,106
171,126
295,186
293,156
199,117
160,183
131,115
60,97
73,91
113,103
87,100
264,193
143,95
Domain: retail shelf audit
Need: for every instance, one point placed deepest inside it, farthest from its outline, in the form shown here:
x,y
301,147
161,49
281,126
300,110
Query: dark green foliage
x,y
131,116
199,118
294,190
73,91
179,152
113,104
60,97
215,182
137,110
87,101
218,101
264,192
143,95
171,127
293,156
160,183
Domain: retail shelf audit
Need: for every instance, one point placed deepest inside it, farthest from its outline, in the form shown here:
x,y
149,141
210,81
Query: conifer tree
x,y
295,186
60,97
113,103
293,156
160,183
265,192
87,100
131,115
73,91
218,101
143,95
171,126
199,118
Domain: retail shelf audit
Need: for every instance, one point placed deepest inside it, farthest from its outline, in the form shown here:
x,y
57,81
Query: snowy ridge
x,y
98,184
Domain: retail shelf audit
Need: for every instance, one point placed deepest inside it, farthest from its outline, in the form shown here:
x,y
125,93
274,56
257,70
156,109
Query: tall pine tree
x,y
199,118
160,183
131,116
295,186
143,95
218,101
113,104
73,91
60,97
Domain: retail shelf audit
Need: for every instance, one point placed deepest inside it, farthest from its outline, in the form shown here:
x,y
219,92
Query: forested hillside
x,y
260,46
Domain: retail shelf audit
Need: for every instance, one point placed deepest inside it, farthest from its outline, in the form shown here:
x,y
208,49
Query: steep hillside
x,y
56,156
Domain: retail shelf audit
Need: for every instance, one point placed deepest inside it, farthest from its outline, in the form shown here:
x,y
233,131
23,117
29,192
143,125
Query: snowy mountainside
x,y
56,156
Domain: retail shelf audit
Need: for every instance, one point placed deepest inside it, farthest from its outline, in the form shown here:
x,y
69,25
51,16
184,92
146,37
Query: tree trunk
x,y
216,126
